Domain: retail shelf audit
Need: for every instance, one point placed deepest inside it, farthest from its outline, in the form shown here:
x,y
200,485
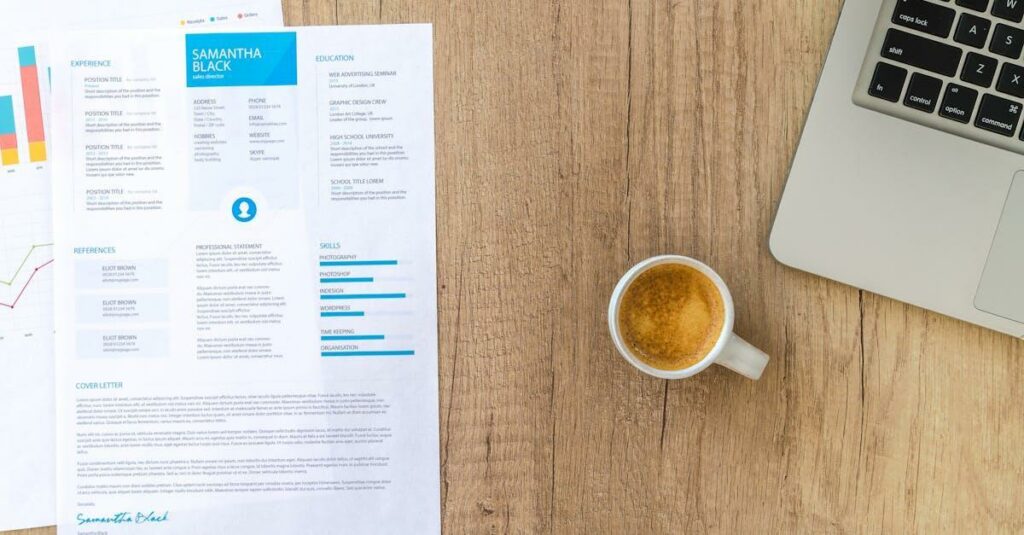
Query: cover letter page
x,y
247,335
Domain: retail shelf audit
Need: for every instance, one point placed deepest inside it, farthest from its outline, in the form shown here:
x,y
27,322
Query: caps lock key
x,y
924,16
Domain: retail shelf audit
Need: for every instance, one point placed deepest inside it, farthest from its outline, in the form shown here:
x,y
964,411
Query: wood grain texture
x,y
575,138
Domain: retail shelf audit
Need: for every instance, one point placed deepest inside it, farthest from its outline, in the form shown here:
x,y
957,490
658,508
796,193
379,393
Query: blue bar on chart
x,y
359,300
354,297
352,337
368,353
353,263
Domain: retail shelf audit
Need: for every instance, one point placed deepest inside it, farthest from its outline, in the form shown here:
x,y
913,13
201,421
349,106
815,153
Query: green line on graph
x,y
25,261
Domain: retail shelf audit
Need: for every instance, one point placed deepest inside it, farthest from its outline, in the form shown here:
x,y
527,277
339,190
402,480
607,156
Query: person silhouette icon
x,y
243,210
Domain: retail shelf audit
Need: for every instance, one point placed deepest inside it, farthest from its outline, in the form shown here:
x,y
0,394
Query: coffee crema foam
x,y
671,316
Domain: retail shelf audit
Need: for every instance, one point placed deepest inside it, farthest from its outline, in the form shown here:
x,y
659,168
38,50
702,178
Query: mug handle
x,y
743,358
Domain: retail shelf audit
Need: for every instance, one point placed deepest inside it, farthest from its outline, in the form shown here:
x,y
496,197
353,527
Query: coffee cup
x,y
722,345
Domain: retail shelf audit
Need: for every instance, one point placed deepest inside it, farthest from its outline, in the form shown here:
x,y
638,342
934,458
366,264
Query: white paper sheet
x,y
27,476
247,339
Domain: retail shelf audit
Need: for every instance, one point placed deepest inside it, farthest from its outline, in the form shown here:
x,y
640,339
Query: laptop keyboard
x,y
951,65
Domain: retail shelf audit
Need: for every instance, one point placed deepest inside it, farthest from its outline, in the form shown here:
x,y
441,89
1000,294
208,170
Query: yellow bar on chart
x,y
9,156
37,151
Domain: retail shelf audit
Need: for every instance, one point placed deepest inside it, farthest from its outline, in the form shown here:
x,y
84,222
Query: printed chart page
x,y
247,340
27,494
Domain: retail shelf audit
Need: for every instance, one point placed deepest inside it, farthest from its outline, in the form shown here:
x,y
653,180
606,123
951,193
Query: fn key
x,y
887,83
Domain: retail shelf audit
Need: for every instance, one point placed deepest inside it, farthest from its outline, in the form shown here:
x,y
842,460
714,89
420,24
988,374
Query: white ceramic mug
x,y
730,350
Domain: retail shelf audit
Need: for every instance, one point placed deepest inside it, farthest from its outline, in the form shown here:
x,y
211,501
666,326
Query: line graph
x,y
25,286
24,261
26,253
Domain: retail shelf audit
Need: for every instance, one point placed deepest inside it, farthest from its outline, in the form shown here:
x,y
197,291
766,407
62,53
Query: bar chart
x,y
22,130
356,296
26,251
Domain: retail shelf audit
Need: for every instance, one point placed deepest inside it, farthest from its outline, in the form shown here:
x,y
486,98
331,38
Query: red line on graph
x,y
25,287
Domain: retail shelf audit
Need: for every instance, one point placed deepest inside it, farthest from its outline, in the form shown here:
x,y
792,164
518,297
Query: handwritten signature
x,y
125,517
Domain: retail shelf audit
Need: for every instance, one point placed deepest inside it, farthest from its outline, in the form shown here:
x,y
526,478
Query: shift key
x,y
921,52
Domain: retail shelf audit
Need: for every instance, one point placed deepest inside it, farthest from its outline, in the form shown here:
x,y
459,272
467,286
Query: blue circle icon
x,y
243,210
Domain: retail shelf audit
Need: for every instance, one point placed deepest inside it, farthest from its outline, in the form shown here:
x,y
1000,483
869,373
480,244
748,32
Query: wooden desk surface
x,y
577,137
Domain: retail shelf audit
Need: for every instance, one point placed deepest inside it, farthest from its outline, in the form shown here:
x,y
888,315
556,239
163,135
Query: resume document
x,y
245,259
27,495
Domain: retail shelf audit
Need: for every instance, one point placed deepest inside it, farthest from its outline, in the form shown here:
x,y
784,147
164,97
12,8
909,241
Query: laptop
x,y
909,178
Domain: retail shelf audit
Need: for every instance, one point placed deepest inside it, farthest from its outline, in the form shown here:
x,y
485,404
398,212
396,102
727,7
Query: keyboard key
x,y
958,103
923,92
977,5
1007,40
1009,9
1011,80
998,115
887,83
972,30
921,52
924,16
979,70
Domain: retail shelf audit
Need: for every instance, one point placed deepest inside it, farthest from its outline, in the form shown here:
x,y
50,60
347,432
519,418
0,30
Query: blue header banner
x,y
240,59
